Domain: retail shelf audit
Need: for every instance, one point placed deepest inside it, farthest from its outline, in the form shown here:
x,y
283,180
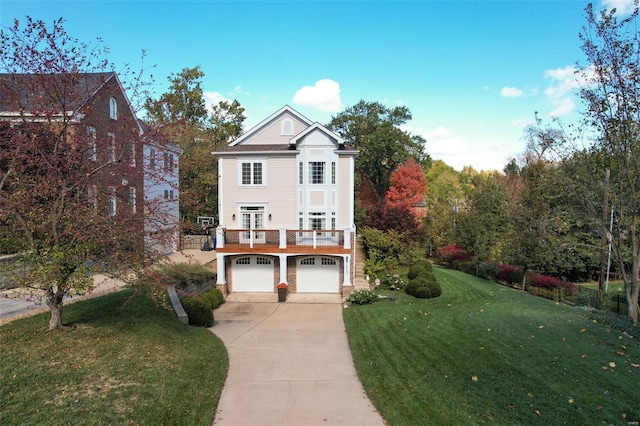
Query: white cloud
x,y
510,92
564,82
622,6
214,98
324,96
458,152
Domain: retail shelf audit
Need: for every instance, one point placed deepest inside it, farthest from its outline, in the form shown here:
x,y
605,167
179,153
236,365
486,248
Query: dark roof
x,y
254,148
49,92
264,148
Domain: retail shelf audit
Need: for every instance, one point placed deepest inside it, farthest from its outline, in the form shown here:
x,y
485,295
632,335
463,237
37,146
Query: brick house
x,y
286,208
95,111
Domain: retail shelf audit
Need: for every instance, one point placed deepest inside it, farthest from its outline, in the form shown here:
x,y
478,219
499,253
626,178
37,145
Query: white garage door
x,y
317,274
252,274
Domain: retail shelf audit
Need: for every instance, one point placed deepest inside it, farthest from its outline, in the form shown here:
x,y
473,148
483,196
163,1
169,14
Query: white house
x,y
286,208
161,193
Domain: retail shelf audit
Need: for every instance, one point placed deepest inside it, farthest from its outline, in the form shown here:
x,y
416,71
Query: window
x,y
316,172
111,138
132,198
168,162
333,173
286,127
252,173
152,158
113,109
132,154
91,151
308,261
327,261
243,261
112,201
168,194
263,261
317,221
300,173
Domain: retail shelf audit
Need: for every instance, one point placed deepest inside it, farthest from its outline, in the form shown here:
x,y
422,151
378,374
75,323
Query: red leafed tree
x,y
71,186
408,187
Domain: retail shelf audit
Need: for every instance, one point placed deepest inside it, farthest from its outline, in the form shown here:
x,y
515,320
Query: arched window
x,y
286,127
113,108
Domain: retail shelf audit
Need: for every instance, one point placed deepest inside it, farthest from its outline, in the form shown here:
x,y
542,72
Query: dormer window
x,y
113,109
286,127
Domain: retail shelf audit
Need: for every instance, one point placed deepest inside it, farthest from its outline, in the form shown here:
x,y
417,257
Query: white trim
x,y
259,127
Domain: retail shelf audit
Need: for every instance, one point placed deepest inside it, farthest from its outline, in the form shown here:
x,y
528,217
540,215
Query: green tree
x,y
483,227
446,195
181,115
612,95
376,131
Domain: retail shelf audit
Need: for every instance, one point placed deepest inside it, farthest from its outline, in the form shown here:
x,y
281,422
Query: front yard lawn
x,y
484,353
123,364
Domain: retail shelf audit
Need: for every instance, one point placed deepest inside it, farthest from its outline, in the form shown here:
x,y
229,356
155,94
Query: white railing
x,y
283,238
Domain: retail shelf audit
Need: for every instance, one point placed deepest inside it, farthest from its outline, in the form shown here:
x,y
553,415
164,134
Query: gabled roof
x,y
312,128
41,92
152,136
55,93
260,126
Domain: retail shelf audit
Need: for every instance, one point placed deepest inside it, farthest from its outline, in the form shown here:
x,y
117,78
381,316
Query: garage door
x,y
252,274
317,274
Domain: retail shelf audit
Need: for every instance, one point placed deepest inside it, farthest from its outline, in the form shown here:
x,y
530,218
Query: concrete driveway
x,y
290,364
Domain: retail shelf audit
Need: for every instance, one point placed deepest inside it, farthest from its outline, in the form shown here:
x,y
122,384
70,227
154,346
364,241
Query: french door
x,y
252,220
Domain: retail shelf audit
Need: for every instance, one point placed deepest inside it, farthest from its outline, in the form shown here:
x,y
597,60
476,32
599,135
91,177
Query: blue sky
x,y
472,72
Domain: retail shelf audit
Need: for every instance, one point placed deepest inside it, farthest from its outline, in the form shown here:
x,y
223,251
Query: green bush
x,y
416,283
416,271
362,297
199,312
213,298
488,271
422,293
434,288
183,275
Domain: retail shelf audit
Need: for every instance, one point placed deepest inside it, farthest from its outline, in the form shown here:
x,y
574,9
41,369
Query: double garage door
x,y
314,274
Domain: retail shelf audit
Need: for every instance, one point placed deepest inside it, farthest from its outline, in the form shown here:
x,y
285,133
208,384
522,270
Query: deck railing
x,y
283,238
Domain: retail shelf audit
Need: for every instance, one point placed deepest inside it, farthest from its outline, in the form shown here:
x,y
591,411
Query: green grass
x,y
484,353
614,286
123,364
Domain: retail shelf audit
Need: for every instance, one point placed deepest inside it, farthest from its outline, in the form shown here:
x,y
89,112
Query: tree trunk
x,y
54,298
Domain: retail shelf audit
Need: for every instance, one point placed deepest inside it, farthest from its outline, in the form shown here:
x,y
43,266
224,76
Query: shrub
x,y
416,283
394,282
452,252
434,288
416,271
422,293
362,297
546,282
199,312
488,271
510,274
213,298
182,275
